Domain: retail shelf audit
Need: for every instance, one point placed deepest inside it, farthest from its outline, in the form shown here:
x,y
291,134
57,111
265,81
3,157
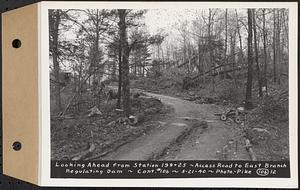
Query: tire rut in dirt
x,y
181,139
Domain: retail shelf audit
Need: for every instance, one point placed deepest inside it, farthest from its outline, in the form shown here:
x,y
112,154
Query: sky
x,y
168,21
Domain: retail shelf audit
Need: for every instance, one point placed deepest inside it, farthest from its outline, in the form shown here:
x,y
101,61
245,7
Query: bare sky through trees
x,y
173,23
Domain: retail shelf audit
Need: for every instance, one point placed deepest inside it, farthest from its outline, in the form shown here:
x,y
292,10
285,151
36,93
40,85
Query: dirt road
x,y
191,132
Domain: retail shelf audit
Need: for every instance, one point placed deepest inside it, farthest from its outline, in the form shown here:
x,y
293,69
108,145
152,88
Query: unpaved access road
x,y
191,132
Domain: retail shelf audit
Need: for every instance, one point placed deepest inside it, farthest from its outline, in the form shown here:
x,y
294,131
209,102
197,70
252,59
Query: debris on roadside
x,y
119,110
70,132
94,111
258,135
250,150
134,120
236,115
202,100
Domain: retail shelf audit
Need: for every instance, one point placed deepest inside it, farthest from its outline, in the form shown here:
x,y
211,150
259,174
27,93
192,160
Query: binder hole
x,y
17,146
16,43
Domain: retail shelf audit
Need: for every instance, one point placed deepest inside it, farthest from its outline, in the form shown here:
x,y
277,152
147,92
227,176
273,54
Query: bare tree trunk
x,y
239,33
226,39
274,47
79,97
248,101
94,53
199,58
143,69
286,28
114,68
265,51
120,77
56,66
232,54
210,48
125,62
278,48
135,68
163,58
97,43
256,56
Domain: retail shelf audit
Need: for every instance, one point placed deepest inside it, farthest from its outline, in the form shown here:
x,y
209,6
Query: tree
x,y
97,23
120,73
116,52
125,60
258,73
140,52
278,46
232,58
210,26
127,18
265,50
226,38
80,56
274,46
241,55
54,23
113,56
248,101
157,41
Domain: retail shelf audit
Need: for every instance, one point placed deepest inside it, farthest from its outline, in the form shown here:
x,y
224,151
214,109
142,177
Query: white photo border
x,y
44,100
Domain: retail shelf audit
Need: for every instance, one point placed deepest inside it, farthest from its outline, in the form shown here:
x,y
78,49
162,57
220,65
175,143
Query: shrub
x,y
274,109
227,90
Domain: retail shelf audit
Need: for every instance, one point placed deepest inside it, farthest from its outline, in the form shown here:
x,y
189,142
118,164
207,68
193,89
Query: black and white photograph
x,y
151,94
162,84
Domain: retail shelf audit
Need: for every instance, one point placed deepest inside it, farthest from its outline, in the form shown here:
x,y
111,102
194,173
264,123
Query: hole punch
x,y
16,43
17,146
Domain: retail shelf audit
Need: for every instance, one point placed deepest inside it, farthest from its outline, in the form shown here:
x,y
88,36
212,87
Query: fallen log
x,y
227,71
217,73
187,61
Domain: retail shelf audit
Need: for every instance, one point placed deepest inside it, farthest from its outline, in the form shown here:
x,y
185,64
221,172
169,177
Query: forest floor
x,y
76,132
183,126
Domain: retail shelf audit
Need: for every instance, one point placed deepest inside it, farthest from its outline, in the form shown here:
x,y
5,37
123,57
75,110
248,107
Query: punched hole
x,y
17,146
16,43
